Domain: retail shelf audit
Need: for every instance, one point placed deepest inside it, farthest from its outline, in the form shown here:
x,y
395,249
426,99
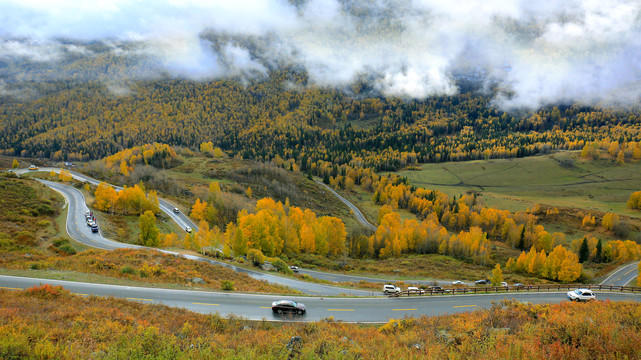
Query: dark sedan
x,y
288,306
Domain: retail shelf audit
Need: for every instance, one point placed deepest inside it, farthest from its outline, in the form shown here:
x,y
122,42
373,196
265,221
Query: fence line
x,y
512,288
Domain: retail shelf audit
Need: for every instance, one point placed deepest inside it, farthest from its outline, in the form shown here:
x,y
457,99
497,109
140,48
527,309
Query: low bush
x,y
127,270
227,285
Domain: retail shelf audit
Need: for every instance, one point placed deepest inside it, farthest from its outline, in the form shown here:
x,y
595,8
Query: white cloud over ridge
x,y
538,53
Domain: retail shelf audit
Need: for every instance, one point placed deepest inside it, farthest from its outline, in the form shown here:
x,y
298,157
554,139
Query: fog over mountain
x,y
532,53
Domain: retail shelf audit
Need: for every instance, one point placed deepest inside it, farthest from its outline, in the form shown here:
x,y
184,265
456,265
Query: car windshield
x,y
577,291
287,303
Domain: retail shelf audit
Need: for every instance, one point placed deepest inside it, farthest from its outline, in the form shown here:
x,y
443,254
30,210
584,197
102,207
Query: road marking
x,y
139,299
205,304
79,294
314,291
628,272
462,306
404,309
265,307
9,288
340,309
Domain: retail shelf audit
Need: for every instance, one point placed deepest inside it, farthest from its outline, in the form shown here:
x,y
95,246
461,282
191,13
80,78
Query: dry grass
x,y
49,323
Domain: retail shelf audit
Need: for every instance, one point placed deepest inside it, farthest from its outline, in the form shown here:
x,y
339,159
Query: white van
x,y
391,289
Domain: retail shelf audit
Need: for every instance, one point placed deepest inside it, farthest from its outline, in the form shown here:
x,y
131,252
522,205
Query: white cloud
x,y
544,52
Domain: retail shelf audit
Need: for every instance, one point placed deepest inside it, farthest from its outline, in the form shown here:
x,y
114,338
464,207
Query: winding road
x,y
357,212
257,307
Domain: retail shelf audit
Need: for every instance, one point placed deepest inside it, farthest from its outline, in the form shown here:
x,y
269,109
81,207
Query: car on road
x,y
581,295
437,288
415,290
33,167
457,282
176,210
288,306
519,285
503,283
482,282
90,222
391,289
188,229
294,268
94,228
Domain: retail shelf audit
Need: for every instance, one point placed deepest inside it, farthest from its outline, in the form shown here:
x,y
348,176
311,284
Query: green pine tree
x,y
584,251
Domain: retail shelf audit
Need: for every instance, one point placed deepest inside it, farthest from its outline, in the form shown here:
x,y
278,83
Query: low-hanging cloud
x,y
533,53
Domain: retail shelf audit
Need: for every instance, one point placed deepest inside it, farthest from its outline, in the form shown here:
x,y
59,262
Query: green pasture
x,y
516,184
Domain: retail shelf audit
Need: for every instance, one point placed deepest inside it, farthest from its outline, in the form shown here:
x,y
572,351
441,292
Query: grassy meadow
x,y
517,184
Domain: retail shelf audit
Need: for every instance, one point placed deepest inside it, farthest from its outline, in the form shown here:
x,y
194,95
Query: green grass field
x,y
517,184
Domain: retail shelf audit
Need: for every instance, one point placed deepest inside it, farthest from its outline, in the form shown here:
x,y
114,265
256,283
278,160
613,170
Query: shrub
x,y
46,291
256,257
127,270
43,223
227,285
59,242
281,266
68,249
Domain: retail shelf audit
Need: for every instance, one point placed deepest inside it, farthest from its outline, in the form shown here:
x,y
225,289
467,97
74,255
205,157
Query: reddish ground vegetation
x,y
142,265
47,323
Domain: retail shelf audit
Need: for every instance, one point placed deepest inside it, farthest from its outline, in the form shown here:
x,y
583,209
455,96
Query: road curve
x,y
357,213
165,206
257,307
623,275
78,230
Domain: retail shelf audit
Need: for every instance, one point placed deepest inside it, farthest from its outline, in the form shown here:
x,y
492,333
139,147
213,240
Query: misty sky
x,y
539,52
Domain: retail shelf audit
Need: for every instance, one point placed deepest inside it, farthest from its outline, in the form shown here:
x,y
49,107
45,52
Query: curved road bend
x,y
623,275
77,229
359,215
257,307
165,206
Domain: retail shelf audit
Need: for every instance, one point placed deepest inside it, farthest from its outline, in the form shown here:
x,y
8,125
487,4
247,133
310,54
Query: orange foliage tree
x,y
275,229
128,201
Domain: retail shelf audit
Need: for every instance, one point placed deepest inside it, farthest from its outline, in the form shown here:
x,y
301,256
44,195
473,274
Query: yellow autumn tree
x,y
497,275
105,197
634,202
198,211
610,221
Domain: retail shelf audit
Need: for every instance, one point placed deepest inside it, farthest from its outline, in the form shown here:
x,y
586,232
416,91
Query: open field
x,y
517,184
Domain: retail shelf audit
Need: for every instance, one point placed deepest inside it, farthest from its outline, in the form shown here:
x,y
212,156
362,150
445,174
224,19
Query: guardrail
x,y
512,288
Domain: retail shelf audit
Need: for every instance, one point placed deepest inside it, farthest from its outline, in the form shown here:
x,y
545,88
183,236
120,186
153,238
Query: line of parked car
x,y
91,221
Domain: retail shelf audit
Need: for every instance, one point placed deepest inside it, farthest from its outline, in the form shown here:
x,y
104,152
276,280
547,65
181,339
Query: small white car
x,y
33,167
176,210
294,268
188,229
414,290
391,289
581,295
457,282
503,283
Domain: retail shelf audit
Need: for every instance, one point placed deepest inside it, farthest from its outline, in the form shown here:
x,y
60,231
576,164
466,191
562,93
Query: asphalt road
x,y
257,307
623,276
359,215
165,206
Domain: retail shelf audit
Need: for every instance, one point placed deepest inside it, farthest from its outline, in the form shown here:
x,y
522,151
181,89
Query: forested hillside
x,y
283,117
